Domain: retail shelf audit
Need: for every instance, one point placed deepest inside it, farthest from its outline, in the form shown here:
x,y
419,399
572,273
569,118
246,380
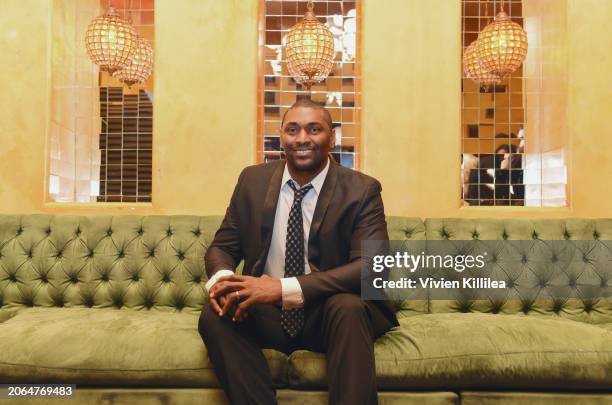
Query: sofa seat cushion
x,y
475,351
110,347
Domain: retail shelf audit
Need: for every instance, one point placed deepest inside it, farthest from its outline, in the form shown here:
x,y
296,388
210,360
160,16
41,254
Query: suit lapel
x,y
268,214
327,192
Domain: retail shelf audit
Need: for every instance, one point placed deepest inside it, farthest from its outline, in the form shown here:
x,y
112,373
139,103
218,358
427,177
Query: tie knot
x,y
299,193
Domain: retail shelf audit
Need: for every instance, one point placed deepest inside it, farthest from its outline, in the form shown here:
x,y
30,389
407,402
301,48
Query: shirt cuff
x,y
292,293
213,280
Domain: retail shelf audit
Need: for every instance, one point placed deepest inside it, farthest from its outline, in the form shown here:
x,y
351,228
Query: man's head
x,y
307,136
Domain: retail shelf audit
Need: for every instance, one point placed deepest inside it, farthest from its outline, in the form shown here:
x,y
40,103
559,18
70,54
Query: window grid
x,y
493,121
125,146
339,92
126,116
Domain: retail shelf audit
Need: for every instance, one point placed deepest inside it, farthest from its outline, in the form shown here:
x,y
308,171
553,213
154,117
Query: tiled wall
x,y
339,93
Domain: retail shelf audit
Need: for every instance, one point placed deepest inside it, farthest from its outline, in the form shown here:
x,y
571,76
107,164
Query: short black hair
x,y
308,103
509,147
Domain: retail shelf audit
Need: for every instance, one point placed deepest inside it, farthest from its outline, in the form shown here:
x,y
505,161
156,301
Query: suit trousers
x,y
343,327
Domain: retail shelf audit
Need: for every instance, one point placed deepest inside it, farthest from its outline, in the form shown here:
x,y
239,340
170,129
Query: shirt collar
x,y
317,182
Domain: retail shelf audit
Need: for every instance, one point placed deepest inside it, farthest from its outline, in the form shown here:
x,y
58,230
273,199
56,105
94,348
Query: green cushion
x,y
533,398
439,351
110,347
215,396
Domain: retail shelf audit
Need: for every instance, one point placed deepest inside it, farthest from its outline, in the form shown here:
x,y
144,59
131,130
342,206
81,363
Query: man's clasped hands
x,y
234,295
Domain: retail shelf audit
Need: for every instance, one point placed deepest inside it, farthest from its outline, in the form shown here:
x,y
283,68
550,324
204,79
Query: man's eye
x,y
314,130
291,130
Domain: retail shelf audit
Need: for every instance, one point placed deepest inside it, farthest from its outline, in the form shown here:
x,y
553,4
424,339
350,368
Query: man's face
x,y
306,138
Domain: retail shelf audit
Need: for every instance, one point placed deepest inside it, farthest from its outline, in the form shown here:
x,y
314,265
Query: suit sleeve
x,y
370,224
225,251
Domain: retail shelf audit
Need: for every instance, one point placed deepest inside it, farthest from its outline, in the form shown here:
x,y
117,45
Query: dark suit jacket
x,y
349,209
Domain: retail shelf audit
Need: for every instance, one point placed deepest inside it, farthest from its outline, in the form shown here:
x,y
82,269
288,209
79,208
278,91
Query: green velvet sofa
x,y
112,303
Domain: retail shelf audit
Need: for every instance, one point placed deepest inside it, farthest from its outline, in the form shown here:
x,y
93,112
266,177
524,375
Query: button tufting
x,y
554,259
585,258
504,235
557,307
534,235
78,232
152,253
19,231
140,231
180,255
48,231
524,259
13,277
197,280
197,232
90,254
595,235
465,307
166,278
566,234
29,254
59,254
526,307
135,277
572,282
43,279
104,277
169,232
74,279
121,254
588,307
475,235
109,232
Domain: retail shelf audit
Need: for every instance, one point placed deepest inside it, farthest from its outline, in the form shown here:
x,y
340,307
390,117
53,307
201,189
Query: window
x,y
512,146
339,93
100,130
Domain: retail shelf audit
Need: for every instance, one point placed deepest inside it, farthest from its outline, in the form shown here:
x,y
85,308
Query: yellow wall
x,y
205,106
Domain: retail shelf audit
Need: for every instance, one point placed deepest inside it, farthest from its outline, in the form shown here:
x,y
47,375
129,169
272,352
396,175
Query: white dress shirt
x,y
275,262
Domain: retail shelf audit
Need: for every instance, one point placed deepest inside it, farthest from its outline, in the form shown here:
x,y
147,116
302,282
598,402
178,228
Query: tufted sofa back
x,y
157,262
136,262
585,309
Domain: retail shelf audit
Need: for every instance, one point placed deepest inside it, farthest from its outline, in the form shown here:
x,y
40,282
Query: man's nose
x,y
302,136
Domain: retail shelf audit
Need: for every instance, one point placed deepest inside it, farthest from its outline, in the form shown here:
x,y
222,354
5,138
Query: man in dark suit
x,y
298,225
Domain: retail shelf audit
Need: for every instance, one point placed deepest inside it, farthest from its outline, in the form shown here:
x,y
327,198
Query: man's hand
x,y
245,291
218,303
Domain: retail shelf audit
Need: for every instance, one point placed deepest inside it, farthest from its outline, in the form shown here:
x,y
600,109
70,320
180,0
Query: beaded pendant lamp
x,y
110,41
140,67
474,70
309,50
502,45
